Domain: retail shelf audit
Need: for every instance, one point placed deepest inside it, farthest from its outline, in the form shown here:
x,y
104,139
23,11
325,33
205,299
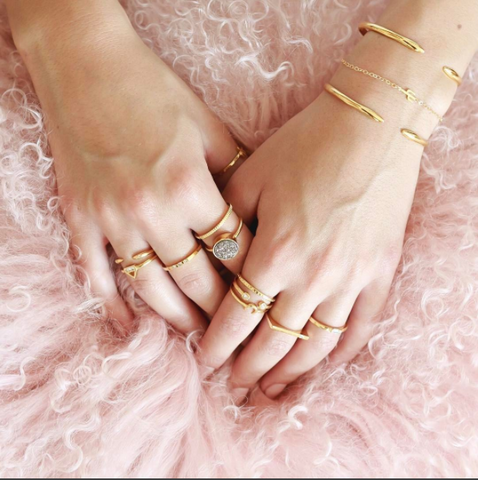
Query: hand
x,y
332,191
134,150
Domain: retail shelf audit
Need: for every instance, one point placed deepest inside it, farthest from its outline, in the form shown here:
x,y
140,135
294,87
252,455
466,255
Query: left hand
x,y
332,210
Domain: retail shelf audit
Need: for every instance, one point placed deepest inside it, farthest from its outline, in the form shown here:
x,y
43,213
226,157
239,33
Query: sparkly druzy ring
x,y
226,246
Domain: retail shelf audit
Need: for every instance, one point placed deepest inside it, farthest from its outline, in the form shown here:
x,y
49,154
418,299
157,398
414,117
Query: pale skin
x,y
332,190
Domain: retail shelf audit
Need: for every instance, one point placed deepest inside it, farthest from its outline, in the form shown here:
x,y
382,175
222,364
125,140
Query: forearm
x,y
447,31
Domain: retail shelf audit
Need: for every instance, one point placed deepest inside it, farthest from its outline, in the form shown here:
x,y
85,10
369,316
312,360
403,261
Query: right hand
x,y
134,151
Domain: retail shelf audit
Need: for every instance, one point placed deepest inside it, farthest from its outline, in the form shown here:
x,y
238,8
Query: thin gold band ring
x,y
240,153
254,289
259,308
326,327
217,227
273,325
132,270
185,260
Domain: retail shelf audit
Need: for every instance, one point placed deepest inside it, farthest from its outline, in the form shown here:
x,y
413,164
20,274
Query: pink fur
x,y
76,401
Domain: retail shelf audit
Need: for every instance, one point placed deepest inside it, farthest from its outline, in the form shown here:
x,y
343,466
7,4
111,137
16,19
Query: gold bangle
x,y
184,260
226,246
132,270
326,327
273,325
365,27
413,137
409,94
217,227
254,289
368,112
452,74
240,153
260,308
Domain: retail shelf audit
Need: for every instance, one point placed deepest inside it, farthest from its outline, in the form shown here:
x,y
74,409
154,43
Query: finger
x,y
220,228
155,286
243,191
191,270
94,260
363,319
306,355
268,346
232,323
220,147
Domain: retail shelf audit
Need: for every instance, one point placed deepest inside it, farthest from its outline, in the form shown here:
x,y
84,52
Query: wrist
x,y
53,27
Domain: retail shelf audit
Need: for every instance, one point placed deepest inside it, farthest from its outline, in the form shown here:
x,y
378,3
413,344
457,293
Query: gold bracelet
x,y
407,92
411,135
368,112
365,27
452,74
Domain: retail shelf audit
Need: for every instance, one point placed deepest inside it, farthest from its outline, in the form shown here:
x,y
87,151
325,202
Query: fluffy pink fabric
x,y
76,401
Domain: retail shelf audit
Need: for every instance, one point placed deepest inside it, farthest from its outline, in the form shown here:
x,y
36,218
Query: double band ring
x,y
273,325
132,270
225,246
240,153
217,227
326,327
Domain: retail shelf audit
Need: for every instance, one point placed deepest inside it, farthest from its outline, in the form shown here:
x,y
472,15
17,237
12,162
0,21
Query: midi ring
x,y
217,227
132,270
225,246
326,327
273,325
185,260
260,307
240,153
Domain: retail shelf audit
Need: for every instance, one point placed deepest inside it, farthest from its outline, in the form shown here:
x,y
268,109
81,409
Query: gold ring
x,y
330,329
132,270
138,256
184,260
261,307
240,153
273,325
411,135
365,27
254,289
226,246
452,74
217,227
368,112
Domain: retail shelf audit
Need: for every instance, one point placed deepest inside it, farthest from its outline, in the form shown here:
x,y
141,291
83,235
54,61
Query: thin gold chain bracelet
x,y
409,94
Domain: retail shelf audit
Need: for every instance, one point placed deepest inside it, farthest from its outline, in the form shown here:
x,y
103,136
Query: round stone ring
x,y
226,246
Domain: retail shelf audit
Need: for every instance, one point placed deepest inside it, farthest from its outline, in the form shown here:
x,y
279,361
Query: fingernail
x,y
275,390
239,394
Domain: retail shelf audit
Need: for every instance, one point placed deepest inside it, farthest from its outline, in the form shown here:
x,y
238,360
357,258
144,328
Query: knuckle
x,y
277,347
236,324
183,186
141,202
146,287
280,252
194,283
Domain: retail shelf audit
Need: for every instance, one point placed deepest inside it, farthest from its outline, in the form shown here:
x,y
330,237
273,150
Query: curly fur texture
x,y
77,401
